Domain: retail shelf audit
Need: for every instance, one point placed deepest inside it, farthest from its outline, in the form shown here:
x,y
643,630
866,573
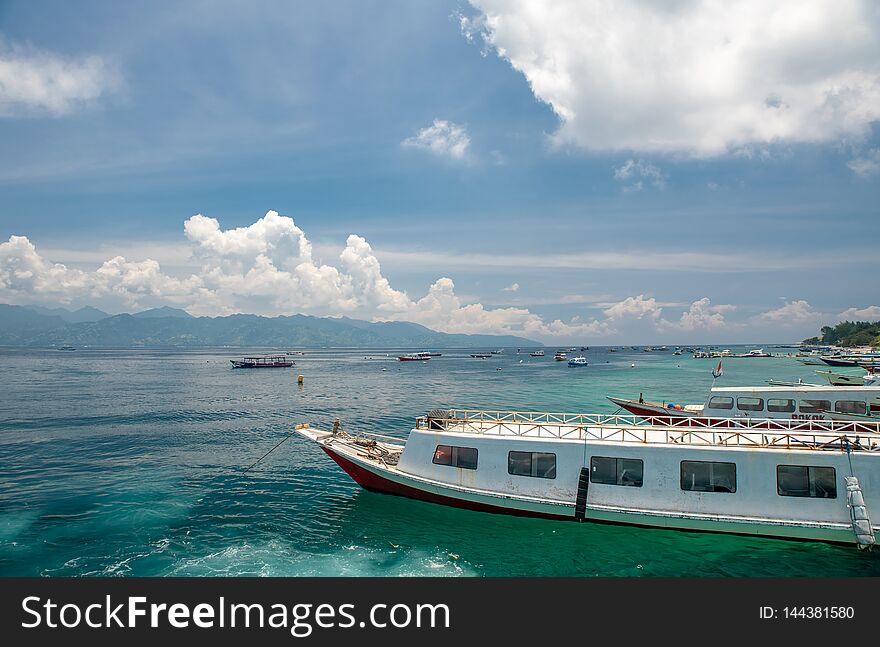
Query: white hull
x,y
754,508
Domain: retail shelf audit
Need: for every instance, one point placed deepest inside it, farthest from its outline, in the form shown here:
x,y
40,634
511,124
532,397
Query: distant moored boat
x,y
267,361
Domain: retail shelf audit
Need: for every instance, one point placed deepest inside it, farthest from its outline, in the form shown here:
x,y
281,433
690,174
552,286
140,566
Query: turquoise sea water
x,y
131,462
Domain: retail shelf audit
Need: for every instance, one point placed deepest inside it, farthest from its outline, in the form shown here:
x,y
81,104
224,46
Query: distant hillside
x,y
23,327
849,333
18,325
87,313
164,311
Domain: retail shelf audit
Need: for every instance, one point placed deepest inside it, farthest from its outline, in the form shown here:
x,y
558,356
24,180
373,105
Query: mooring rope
x,y
285,439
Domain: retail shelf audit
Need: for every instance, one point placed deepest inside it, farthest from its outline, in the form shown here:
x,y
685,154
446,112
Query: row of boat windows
x,y
696,476
535,464
709,476
785,405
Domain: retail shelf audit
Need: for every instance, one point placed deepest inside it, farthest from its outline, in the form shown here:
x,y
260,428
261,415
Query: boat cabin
x,y
797,402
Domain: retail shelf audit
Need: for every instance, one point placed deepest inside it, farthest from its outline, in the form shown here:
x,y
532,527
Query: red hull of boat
x,y
376,483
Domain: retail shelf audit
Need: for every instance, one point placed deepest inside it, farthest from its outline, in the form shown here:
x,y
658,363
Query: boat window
x,y
801,480
718,402
815,406
616,471
851,406
750,404
706,476
464,457
536,464
780,405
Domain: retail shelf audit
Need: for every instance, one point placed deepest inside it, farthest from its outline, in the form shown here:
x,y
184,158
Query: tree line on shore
x,y
849,333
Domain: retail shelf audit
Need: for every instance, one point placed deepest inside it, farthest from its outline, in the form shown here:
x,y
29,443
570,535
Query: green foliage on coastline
x,y
849,333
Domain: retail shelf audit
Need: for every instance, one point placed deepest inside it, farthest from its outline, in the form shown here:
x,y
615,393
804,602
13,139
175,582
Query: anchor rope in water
x,y
283,440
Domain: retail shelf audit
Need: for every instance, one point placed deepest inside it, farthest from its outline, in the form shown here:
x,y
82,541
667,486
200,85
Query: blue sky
x,y
578,172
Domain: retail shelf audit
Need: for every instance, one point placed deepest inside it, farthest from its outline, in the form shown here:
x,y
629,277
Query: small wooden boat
x,y
837,379
414,357
267,361
834,361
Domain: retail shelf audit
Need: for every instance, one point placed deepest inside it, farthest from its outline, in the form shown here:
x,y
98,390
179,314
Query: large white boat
x,y
804,479
794,401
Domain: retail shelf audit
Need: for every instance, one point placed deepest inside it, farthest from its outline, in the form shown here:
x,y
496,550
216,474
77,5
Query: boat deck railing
x,y
779,433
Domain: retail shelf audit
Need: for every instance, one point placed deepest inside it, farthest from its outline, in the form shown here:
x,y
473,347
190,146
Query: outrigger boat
x,y
804,479
837,379
267,361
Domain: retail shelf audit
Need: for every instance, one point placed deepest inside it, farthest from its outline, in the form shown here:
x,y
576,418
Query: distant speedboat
x,y
537,353
577,361
66,348
481,355
756,352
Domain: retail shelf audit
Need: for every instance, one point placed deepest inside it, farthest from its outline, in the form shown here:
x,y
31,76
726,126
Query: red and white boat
x,y
805,479
415,357
795,401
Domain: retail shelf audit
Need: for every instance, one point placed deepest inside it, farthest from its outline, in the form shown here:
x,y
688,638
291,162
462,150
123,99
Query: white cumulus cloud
x,y
441,138
41,82
793,313
266,268
701,315
638,172
870,313
699,77
637,306
866,165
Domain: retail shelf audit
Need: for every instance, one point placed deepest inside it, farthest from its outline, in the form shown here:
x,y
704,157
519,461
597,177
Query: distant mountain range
x,y
38,326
